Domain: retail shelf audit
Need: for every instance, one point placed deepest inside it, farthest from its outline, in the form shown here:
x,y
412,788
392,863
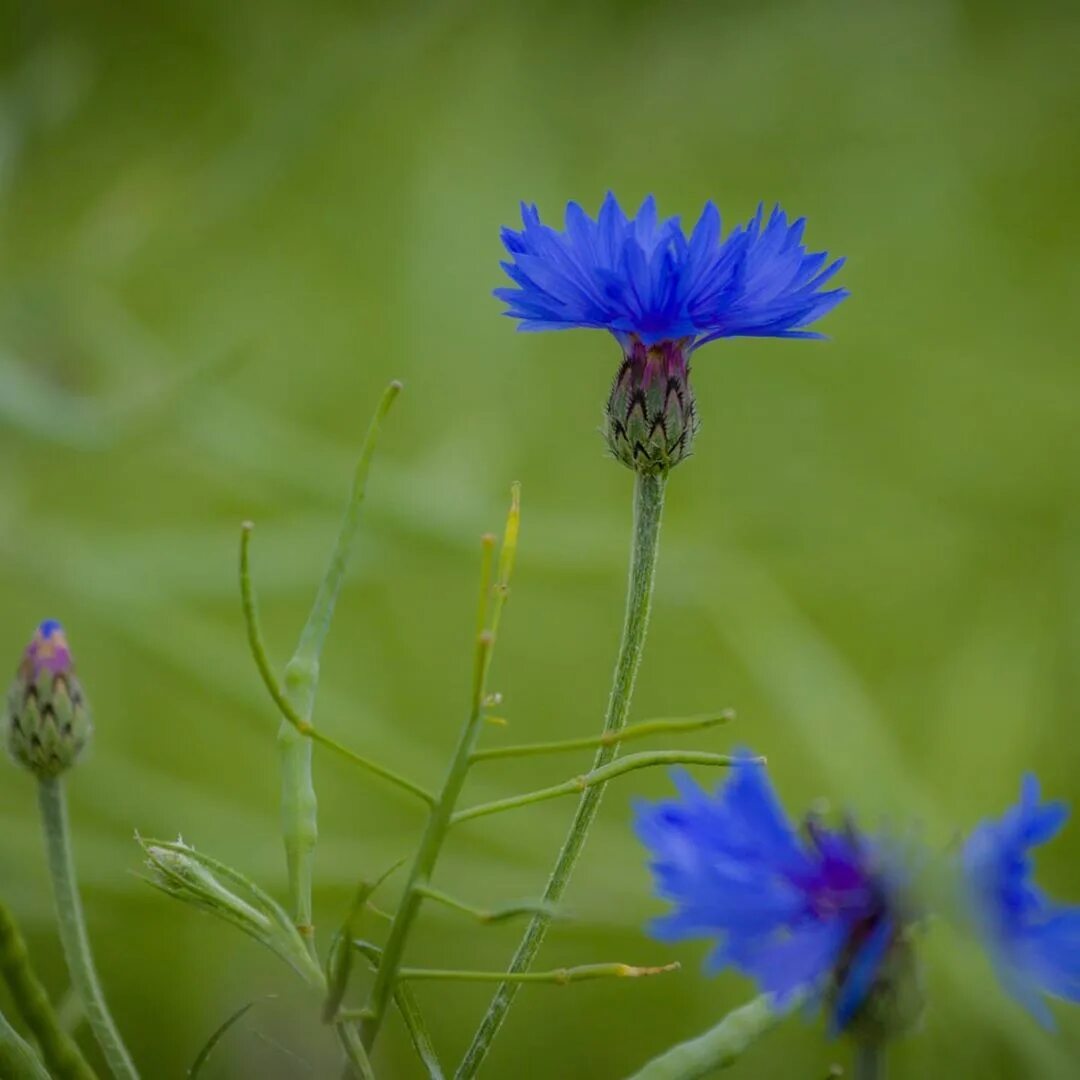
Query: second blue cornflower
x,y
819,913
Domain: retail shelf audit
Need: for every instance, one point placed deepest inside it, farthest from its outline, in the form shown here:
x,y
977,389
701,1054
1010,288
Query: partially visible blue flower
x,y
1033,941
644,279
663,294
800,914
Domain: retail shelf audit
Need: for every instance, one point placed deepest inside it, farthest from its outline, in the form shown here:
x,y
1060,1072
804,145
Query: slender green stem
x,y
438,823
632,731
578,784
58,1048
869,1060
648,510
17,1058
484,915
69,916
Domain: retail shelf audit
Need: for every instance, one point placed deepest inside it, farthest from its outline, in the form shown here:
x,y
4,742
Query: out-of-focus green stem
x,y
645,760
869,1060
69,917
718,1048
58,1048
648,510
299,805
17,1058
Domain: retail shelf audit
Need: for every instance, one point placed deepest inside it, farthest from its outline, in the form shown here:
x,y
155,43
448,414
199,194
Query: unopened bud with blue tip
x,y
47,720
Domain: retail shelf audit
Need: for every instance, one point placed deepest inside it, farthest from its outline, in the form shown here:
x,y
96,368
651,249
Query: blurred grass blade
x,y
17,1058
204,1054
718,1048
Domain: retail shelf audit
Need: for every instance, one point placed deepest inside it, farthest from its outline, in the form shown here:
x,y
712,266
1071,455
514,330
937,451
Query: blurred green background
x,y
224,228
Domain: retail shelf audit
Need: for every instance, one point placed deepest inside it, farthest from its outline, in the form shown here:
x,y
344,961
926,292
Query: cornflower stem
x,y
869,1060
69,917
597,777
648,510
61,1054
492,597
17,1057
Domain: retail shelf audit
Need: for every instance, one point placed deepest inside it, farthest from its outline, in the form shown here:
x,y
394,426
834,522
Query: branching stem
x,y
648,509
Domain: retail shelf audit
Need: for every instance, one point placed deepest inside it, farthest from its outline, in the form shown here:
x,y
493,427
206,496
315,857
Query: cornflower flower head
x,y
1034,942
663,295
821,913
47,719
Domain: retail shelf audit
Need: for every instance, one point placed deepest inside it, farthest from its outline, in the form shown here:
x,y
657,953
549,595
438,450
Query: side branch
x,y
645,760
560,976
486,915
285,707
610,738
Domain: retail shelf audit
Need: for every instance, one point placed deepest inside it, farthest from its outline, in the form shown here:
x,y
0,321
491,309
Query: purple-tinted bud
x,y
651,418
47,719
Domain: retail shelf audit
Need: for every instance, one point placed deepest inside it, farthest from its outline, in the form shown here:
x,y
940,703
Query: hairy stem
x,y
62,1056
648,509
69,917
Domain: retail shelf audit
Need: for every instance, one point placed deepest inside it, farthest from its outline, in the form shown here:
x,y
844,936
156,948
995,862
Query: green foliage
x,y
220,236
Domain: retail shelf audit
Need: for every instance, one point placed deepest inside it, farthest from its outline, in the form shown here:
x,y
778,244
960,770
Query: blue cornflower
x,y
800,914
663,295
641,278
1033,941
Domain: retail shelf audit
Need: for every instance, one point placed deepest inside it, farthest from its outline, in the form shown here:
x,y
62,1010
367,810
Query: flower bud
x,y
47,721
210,886
651,418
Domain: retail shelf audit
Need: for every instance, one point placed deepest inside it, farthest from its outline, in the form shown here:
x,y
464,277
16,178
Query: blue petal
x,y
640,277
861,975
